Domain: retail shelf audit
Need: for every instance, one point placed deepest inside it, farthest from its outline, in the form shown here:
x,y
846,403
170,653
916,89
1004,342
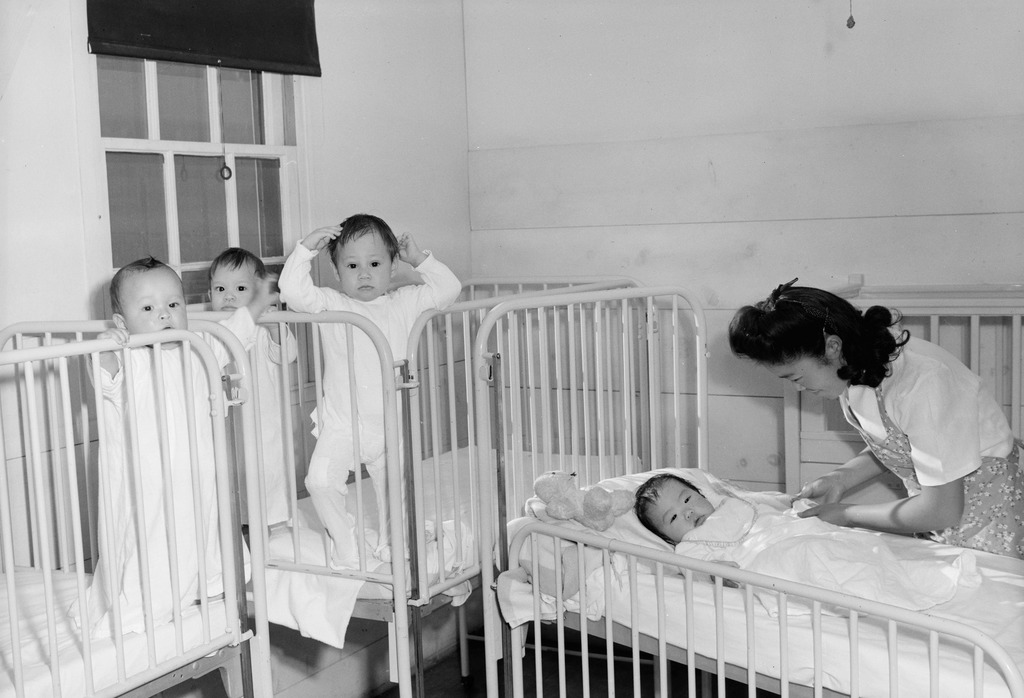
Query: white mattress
x,y
35,643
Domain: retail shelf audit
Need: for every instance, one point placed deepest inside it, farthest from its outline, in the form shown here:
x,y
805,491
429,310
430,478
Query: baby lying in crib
x,y
756,536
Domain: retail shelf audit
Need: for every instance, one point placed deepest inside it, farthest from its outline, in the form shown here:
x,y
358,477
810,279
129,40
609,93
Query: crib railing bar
x,y
584,593
34,453
748,593
531,395
560,630
544,371
113,588
133,435
629,429
654,381
7,551
854,654
288,427
357,450
659,586
53,398
609,642
691,652
817,652
76,520
170,477
453,442
677,388
575,425
894,689
719,634
601,388
515,419
433,401
197,499
634,625
933,664
783,600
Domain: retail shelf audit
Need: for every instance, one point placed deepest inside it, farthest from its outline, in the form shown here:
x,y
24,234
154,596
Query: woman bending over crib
x,y
922,413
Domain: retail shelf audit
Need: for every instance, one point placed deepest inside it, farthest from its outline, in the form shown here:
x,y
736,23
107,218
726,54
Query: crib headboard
x,y
979,324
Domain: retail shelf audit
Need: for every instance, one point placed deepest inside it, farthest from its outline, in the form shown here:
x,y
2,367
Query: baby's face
x,y
231,289
678,510
152,301
364,267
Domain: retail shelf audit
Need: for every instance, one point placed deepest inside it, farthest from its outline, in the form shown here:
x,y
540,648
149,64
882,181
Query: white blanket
x,y
811,551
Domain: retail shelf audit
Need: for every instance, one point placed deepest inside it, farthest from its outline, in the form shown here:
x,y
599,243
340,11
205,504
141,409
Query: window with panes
x,y
198,159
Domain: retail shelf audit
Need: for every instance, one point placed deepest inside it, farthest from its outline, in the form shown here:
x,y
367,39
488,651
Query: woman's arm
x,y
936,508
830,488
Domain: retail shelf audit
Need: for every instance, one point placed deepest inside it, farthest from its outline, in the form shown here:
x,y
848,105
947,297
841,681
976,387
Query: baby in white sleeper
x,y
147,296
363,250
767,537
236,276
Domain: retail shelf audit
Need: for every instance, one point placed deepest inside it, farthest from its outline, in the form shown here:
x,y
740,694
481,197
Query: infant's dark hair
x,y
649,492
235,258
356,227
139,266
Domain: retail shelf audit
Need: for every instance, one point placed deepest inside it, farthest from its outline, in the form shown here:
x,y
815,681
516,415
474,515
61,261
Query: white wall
x,y
728,146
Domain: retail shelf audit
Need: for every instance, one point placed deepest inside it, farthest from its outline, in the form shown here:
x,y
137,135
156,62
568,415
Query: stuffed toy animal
x,y
594,507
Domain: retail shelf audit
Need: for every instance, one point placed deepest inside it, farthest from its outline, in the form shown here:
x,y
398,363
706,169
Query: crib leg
x,y
463,643
234,678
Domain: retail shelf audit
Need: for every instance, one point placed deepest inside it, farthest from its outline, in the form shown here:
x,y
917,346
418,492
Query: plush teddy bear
x,y
594,507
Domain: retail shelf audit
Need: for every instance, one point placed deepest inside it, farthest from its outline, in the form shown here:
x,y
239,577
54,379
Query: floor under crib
x,y
360,666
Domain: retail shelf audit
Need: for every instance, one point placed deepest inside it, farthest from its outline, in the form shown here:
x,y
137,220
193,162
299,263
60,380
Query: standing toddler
x,y
363,251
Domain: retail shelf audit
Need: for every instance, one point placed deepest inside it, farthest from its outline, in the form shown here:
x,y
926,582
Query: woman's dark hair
x,y
793,322
650,492
356,227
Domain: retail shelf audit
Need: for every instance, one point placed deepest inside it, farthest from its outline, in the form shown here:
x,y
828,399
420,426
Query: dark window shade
x,y
277,36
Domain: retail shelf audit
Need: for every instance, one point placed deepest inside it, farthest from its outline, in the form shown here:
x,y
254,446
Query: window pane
x,y
138,224
202,211
259,206
184,107
197,286
122,88
241,106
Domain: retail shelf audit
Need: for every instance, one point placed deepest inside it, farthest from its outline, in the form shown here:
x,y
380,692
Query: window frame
x,y
274,147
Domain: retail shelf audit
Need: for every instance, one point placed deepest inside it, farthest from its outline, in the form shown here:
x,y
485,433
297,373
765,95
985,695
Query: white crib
x,y
53,440
636,592
597,383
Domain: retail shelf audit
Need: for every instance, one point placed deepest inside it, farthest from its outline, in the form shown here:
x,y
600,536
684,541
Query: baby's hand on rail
x,y
119,335
110,361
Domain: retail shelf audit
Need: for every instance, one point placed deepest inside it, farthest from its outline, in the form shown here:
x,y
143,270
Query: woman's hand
x,y
832,513
826,489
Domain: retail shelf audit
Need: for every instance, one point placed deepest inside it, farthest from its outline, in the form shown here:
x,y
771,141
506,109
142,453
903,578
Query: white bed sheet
x,y
35,643
321,606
